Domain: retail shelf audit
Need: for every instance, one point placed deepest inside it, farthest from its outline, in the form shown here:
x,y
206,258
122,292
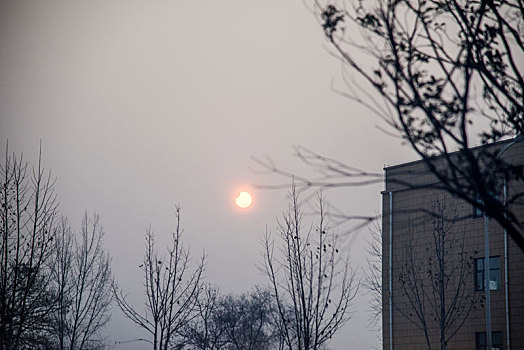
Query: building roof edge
x,y
501,142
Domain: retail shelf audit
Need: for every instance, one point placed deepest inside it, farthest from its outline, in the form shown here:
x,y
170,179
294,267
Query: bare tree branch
x,y
27,219
312,292
171,290
82,280
435,276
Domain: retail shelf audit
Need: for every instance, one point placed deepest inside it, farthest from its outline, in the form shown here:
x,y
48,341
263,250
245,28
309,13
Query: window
x,y
477,213
496,341
494,273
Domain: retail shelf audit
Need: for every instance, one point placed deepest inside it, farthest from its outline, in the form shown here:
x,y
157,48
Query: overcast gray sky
x,y
142,105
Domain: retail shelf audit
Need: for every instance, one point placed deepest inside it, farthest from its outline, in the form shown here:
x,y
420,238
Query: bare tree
x,y
435,278
445,75
447,72
234,322
246,321
82,281
311,283
203,332
27,219
372,280
171,289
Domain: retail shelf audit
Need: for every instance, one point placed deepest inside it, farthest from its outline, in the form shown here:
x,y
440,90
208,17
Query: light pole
x,y
489,340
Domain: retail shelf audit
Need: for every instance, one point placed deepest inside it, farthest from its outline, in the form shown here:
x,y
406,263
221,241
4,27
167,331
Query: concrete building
x,y
413,210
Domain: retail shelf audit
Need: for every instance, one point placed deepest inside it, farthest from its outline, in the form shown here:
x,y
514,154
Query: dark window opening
x,y
496,341
477,212
494,273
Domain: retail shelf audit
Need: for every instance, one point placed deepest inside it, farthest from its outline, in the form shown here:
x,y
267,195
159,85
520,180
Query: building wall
x,y
413,223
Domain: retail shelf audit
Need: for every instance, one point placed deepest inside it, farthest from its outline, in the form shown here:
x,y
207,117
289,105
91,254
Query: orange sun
x,y
244,200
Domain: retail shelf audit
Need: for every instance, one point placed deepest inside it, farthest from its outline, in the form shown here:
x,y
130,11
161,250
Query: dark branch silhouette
x,y
82,282
171,288
435,276
444,70
27,225
310,279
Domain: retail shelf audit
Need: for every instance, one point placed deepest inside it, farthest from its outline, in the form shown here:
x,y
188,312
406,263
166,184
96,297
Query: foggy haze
x,y
144,105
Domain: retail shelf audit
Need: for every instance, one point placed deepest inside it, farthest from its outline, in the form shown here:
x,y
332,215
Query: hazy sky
x,y
143,105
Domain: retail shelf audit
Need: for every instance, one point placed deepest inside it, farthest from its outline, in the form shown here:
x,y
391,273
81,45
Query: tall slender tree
x,y
27,228
82,282
309,275
435,278
372,279
171,288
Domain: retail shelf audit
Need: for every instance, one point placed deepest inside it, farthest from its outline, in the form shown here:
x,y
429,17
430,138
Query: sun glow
x,y
244,200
